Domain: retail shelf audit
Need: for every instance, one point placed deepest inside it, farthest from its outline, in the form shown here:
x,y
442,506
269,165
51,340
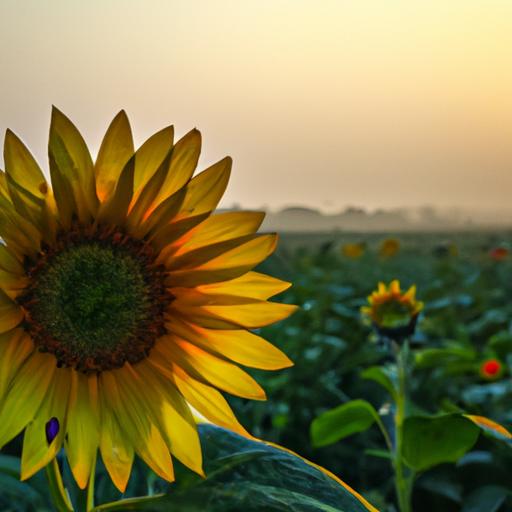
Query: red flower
x,y
498,253
491,369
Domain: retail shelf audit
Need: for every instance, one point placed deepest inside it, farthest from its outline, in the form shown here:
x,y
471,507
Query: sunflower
x,y
353,251
389,247
125,304
393,312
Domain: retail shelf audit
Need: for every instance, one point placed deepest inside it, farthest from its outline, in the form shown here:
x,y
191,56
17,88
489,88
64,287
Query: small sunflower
x,y
389,247
353,251
125,304
393,313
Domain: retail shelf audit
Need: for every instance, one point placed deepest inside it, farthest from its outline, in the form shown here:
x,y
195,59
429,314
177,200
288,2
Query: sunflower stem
x,y
58,492
403,477
90,488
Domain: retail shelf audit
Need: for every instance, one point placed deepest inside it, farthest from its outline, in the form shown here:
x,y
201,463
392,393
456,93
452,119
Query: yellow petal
x,y
9,262
164,238
116,449
115,151
205,190
132,410
15,347
172,414
70,158
20,234
63,194
4,188
37,453
24,397
141,207
487,424
202,255
220,227
27,205
207,368
224,312
161,215
205,399
114,210
82,437
185,155
411,293
241,346
21,166
230,264
394,287
12,284
11,314
149,158
251,284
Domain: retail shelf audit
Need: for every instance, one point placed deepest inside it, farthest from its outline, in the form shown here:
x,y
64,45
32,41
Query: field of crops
x,y
465,282
451,463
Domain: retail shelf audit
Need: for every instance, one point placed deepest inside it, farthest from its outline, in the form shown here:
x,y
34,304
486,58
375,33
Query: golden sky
x,y
322,103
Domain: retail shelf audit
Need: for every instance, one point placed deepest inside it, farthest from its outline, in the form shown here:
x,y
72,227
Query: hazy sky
x,y
322,103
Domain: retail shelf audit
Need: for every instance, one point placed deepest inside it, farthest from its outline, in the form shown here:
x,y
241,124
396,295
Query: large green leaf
x,y
489,498
342,421
20,494
251,475
429,441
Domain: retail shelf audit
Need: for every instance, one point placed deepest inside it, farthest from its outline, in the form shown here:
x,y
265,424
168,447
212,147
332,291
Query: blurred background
x,y
375,134
324,105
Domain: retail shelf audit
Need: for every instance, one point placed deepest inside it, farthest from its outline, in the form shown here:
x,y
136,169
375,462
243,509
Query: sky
x,y
371,103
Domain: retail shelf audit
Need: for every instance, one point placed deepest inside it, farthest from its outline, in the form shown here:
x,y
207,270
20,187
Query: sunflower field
x,y
466,322
460,362
135,371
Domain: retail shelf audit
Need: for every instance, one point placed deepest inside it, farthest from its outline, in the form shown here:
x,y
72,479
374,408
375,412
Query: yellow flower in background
x,y
353,251
389,247
125,302
392,311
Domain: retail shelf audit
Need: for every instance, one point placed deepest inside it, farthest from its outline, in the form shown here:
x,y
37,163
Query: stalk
x,y
57,491
403,477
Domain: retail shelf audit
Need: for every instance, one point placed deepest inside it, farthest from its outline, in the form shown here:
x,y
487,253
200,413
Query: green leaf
x,y
432,357
489,498
381,454
429,441
10,465
382,376
343,421
12,488
250,475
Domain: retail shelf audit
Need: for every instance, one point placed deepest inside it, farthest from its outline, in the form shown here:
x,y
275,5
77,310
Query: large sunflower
x,y
124,303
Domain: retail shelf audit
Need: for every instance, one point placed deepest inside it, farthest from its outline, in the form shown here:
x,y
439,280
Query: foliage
x,y
338,359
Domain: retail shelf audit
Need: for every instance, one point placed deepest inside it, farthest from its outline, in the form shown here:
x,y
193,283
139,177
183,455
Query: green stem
x,y
385,434
403,478
90,488
57,491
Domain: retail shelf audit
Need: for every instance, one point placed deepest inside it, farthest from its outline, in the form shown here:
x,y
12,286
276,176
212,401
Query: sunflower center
x,y
96,304
394,314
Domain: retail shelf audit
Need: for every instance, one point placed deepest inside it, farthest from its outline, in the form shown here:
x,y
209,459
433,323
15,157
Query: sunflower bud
x,y
393,313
